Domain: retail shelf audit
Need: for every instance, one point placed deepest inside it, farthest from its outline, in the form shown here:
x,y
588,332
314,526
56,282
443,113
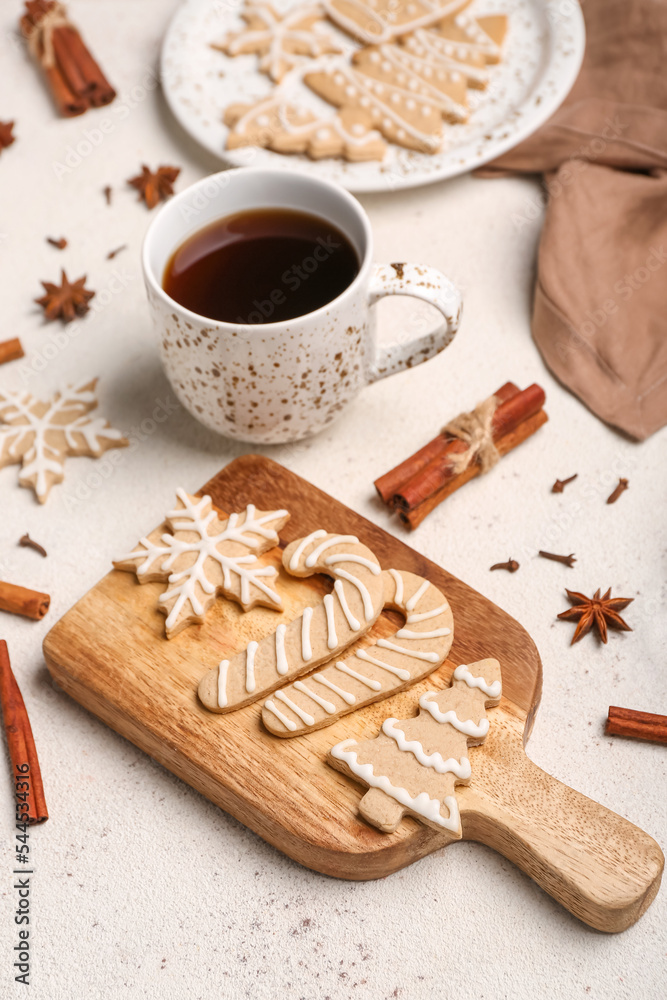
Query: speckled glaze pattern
x,y
541,58
276,382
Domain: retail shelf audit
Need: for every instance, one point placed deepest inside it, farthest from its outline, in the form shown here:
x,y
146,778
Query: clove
x,y
565,560
622,486
29,543
112,253
107,194
58,244
560,484
511,566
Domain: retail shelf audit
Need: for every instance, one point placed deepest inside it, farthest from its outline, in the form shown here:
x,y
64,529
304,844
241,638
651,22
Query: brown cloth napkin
x,y
600,311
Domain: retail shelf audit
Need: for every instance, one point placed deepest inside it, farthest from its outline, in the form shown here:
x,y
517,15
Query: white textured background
x,y
144,889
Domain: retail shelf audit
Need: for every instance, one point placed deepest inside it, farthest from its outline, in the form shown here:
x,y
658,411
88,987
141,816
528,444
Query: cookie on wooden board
x,y
413,765
322,631
203,556
374,672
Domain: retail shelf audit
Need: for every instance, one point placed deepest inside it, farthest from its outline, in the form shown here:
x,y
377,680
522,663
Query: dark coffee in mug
x,y
267,265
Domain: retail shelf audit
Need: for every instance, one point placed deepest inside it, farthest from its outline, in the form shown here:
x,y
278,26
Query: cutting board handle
x,y
601,867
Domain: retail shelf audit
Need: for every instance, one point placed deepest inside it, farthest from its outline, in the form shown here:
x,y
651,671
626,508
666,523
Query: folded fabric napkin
x,y
600,310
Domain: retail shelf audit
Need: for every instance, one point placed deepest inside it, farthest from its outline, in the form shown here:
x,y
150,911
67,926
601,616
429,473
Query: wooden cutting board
x,y
109,653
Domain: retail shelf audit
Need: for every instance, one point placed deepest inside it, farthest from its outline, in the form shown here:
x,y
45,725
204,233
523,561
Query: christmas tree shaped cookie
x,y
413,765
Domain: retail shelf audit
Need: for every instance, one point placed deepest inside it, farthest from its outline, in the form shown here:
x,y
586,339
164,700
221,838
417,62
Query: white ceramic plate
x,y
542,54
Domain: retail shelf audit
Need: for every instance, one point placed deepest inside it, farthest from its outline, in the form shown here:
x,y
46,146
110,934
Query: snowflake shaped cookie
x,y
282,42
41,435
205,556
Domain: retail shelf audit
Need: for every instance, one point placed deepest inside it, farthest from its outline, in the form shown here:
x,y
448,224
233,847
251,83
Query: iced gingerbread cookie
x,y
409,113
274,123
282,41
203,556
41,435
321,632
377,21
372,673
469,37
413,765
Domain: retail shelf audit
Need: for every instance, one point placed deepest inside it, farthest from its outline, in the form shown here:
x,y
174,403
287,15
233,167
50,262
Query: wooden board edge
x,y
361,866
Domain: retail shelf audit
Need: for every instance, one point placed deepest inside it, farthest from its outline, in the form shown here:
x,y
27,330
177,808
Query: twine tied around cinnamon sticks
x,y
476,430
74,78
467,446
40,38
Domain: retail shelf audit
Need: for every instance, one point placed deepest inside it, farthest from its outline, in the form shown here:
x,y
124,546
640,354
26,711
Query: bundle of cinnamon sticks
x,y
74,78
416,486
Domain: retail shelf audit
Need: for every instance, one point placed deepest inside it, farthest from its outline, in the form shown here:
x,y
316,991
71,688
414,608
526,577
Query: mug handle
x,y
421,282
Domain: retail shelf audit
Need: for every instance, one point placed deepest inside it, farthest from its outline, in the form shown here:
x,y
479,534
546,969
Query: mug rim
x,y
248,328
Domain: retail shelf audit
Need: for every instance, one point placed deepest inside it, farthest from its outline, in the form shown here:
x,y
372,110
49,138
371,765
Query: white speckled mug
x,y
276,382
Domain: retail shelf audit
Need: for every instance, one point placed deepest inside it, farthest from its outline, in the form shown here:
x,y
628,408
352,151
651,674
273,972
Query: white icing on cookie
x,y
426,615
282,666
222,683
302,546
397,671
466,726
250,667
412,603
339,591
382,676
271,706
332,638
350,557
322,702
306,648
347,696
463,674
363,591
421,804
435,760
368,681
406,633
332,540
308,719
417,653
398,580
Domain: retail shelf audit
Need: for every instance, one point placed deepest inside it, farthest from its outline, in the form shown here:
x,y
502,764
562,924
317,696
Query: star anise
x,y
67,300
596,610
6,137
157,186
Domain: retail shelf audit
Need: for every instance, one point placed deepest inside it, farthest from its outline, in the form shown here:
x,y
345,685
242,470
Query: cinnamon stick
x,y
21,601
639,725
10,350
21,745
74,78
414,517
391,482
434,477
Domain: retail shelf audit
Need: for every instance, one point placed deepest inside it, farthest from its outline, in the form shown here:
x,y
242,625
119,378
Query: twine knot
x,y
475,429
40,35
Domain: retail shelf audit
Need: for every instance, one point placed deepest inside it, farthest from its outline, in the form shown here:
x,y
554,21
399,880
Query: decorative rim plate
x,y
542,55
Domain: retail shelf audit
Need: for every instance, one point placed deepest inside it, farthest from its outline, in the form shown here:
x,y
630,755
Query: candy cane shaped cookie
x,y
373,673
323,631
